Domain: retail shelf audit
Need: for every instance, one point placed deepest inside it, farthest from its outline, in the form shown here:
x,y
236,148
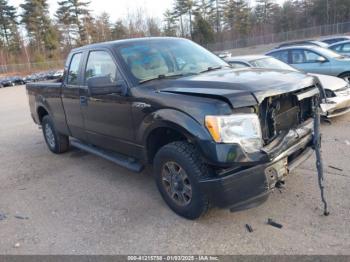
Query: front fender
x,y
174,119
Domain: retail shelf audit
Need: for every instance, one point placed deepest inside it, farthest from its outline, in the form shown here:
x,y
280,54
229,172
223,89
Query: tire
x,y
56,142
181,159
345,76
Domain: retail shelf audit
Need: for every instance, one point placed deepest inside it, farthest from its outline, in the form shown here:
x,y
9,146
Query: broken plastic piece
x,y
273,223
249,228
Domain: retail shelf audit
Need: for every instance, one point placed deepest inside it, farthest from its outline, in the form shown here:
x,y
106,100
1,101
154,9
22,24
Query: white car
x,y
336,100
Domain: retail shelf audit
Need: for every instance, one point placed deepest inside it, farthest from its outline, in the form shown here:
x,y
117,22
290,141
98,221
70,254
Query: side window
x,y
73,71
346,48
298,56
238,65
100,63
281,55
337,48
312,57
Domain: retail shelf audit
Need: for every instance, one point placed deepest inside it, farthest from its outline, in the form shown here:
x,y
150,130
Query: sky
x,y
117,9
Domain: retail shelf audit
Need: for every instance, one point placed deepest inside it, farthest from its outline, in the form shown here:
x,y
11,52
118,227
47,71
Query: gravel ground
x,y
77,203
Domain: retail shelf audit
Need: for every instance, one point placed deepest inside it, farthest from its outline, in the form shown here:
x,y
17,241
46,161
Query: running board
x,y
119,159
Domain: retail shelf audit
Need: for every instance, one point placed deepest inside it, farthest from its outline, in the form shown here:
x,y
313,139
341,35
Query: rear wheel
x,y
56,142
178,168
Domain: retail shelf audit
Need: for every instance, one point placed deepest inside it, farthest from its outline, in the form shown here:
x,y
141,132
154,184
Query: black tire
x,y
56,142
345,76
189,160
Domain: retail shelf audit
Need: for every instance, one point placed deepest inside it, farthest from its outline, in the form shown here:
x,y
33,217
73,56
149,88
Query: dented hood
x,y
240,88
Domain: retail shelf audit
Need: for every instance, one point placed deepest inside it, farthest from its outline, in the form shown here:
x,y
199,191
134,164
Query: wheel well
x,y
159,138
344,73
41,113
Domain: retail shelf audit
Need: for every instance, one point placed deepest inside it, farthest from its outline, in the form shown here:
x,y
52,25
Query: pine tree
x,y
75,15
169,24
39,27
119,30
203,32
8,25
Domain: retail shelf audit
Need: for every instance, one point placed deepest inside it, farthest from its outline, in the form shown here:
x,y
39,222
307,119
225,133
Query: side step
x,y
114,157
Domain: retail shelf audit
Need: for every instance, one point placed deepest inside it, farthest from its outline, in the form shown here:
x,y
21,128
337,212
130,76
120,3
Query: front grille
x,y
281,113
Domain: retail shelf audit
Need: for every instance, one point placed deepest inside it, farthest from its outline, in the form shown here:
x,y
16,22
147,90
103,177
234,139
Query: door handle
x,y
83,101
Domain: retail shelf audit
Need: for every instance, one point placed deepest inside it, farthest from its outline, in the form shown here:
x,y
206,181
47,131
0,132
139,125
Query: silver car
x,y
337,91
314,59
342,47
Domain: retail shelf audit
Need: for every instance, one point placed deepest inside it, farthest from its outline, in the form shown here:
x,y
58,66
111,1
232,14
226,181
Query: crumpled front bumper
x,y
250,186
338,105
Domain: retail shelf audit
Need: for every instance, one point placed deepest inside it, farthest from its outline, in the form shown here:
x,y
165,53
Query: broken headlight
x,y
243,129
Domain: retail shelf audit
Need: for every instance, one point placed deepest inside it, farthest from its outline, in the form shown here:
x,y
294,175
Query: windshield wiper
x,y
211,68
159,77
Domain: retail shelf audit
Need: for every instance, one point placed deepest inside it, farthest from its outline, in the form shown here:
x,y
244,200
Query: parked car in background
x,y
335,39
17,80
314,59
5,82
304,42
58,74
342,47
336,90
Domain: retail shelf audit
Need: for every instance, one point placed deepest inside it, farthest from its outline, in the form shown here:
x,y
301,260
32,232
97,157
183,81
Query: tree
x,y
170,26
38,24
119,30
203,33
242,13
104,27
75,15
184,8
8,25
153,27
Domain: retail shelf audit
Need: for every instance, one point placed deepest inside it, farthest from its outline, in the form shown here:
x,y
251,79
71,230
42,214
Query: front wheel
x,y
178,168
56,142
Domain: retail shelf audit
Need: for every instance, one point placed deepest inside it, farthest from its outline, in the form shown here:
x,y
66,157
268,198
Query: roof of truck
x,y
127,41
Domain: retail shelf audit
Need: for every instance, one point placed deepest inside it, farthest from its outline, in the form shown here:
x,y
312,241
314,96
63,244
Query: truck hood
x,y
242,87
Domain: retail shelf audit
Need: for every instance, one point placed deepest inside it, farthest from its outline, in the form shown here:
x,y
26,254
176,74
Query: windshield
x,y
171,57
327,52
271,63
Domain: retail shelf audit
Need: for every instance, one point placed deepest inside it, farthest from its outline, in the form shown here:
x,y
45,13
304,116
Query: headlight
x,y
243,129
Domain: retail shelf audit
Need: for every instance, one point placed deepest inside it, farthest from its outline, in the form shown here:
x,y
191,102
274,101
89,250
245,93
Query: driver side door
x,y
310,62
107,117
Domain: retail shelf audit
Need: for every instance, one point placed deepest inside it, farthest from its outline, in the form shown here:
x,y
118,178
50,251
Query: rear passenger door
x,y
71,95
108,119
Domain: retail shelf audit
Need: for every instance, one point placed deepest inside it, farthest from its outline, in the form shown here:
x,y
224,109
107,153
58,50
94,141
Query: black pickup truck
x,y
215,136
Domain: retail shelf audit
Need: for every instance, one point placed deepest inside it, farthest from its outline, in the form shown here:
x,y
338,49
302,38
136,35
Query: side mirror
x,y
103,85
321,59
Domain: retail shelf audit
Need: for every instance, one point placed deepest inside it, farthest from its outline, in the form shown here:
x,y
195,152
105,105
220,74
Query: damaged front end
x,y
336,103
287,123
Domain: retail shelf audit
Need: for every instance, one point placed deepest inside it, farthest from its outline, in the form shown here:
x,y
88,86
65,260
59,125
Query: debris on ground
x,y
336,168
21,217
17,245
249,228
2,216
347,142
273,223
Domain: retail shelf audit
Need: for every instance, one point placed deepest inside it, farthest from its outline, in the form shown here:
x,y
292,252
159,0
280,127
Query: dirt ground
x,y
77,203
